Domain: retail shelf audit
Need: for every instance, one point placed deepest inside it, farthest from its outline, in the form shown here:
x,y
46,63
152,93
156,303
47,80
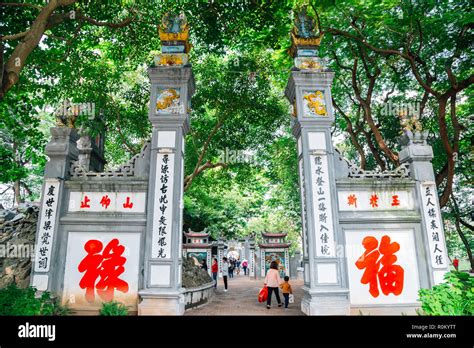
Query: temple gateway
x,y
370,239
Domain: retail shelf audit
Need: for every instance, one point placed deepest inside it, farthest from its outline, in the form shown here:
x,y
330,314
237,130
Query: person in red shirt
x,y
214,270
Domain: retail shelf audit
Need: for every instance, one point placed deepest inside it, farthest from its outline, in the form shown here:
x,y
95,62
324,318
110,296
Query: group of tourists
x,y
273,280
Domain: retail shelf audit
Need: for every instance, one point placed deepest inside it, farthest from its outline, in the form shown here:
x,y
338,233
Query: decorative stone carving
x,y
126,170
403,171
84,146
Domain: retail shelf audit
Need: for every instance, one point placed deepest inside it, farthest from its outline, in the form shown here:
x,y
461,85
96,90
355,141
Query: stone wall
x,y
199,296
199,285
194,276
17,236
17,239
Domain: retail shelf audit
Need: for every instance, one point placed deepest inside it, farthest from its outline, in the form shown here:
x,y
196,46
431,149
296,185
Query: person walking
x,y
238,266
286,290
273,281
214,270
231,268
204,265
225,272
245,264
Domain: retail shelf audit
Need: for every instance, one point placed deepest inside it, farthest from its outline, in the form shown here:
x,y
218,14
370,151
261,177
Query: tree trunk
x,y
457,222
466,243
16,189
443,130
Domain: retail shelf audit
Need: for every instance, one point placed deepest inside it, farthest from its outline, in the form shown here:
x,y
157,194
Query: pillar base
x,y
326,302
160,303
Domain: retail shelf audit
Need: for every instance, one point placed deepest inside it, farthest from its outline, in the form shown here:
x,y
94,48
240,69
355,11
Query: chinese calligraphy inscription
x,y
47,223
162,222
322,206
431,212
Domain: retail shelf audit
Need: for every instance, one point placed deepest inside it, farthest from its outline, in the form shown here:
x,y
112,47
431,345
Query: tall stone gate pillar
x,y
172,86
419,154
220,255
309,91
61,151
251,258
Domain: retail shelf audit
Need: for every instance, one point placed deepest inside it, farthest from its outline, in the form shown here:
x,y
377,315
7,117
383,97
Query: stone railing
x,y
196,297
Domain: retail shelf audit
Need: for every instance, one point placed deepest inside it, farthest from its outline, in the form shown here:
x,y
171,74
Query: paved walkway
x,y
241,299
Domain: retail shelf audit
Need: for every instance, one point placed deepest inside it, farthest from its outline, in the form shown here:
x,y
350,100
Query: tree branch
x,y
37,7
189,179
131,149
207,165
353,135
44,21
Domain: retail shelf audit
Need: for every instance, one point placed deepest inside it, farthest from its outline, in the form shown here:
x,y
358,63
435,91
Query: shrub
x,y
16,301
454,297
113,308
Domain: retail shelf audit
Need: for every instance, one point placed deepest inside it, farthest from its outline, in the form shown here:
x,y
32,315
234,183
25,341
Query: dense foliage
x,y
16,301
383,52
453,297
113,308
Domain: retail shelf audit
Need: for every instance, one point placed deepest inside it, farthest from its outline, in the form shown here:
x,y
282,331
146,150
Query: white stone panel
x,y
107,202
322,206
76,253
438,277
163,209
327,273
406,258
47,225
359,200
316,141
167,139
434,225
160,275
40,282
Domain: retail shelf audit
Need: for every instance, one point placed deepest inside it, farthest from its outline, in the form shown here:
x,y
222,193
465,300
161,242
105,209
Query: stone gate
x,y
369,238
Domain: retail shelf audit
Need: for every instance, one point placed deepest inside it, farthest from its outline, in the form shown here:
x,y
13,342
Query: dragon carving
x,y
315,103
167,100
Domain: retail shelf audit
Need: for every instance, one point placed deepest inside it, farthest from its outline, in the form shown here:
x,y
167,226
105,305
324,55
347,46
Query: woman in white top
x,y
273,281
225,272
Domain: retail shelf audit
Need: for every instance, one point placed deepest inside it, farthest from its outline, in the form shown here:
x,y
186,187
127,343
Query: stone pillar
x,y
171,90
261,263
246,249
220,255
61,151
419,154
326,286
84,147
251,259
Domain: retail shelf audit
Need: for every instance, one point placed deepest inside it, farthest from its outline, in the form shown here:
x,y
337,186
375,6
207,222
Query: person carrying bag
x,y
273,281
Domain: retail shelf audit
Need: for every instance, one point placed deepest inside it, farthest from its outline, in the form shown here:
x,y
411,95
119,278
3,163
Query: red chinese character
x,y
395,201
374,200
105,201
128,204
85,203
390,276
108,266
352,200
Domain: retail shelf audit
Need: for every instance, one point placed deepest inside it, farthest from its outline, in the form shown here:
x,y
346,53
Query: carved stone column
x,y
61,151
309,92
419,154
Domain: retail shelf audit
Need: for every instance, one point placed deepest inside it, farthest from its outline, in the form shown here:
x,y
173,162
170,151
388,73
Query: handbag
x,y
291,299
263,294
